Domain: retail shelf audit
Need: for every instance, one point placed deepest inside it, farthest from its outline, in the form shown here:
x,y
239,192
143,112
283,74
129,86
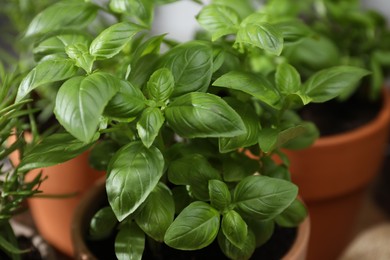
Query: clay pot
x,y
333,175
96,198
53,216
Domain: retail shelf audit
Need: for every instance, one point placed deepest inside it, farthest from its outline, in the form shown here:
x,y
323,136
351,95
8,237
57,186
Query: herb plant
x,y
173,128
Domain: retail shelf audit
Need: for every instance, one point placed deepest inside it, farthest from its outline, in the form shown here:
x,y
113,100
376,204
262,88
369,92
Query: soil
x,y
334,117
274,249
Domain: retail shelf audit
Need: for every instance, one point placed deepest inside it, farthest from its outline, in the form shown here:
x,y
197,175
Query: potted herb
x,y
334,173
174,128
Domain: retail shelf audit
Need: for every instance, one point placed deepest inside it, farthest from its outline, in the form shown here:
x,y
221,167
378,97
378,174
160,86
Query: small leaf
x,y
132,175
130,242
102,224
306,140
79,53
263,230
288,80
203,115
112,40
220,20
234,228
233,252
160,85
157,212
148,126
80,102
293,215
263,197
271,139
196,227
47,71
219,193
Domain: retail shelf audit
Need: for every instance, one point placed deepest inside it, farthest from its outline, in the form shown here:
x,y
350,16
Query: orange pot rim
x,y
301,241
381,119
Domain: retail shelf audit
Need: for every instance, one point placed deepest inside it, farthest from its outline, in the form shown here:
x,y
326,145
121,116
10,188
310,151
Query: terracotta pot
x,y
95,199
53,216
333,175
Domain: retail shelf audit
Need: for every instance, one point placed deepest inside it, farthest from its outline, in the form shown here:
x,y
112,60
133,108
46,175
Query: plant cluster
x,y
173,126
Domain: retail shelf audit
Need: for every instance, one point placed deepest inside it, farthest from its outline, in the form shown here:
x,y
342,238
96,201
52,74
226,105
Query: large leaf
x,y
293,215
263,197
191,65
196,227
133,173
129,242
80,103
254,85
203,115
112,40
330,83
148,126
47,71
53,150
157,212
62,15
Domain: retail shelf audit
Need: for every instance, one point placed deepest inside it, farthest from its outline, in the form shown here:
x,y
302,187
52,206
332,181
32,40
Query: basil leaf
x,y
287,78
233,252
263,230
203,115
129,242
271,139
293,215
102,224
263,197
80,102
133,173
219,193
160,85
234,228
79,53
149,125
194,228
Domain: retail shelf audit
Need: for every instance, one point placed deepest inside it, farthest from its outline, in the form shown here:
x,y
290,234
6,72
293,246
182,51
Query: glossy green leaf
x,y
305,140
140,10
157,212
293,30
191,64
47,71
238,167
160,85
330,83
263,230
233,252
220,20
262,35
196,227
129,242
127,103
148,126
293,215
193,170
62,15
133,173
254,85
219,193
53,150
271,139
101,154
263,197
79,53
80,103
203,115
287,78
112,40
234,228
102,224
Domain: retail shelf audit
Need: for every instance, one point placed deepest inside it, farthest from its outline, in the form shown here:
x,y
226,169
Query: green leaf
x,y
220,20
203,115
160,85
133,173
140,10
330,83
57,44
251,122
80,103
102,153
219,193
234,228
130,242
157,212
72,14
126,103
47,71
287,78
293,215
102,224
233,252
191,65
305,140
262,35
238,167
9,242
53,150
112,40
79,53
196,227
255,85
148,126
263,197
293,30
193,170
263,230
271,139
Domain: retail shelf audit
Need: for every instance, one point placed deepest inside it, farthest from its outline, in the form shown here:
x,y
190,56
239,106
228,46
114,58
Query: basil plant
x,y
190,134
